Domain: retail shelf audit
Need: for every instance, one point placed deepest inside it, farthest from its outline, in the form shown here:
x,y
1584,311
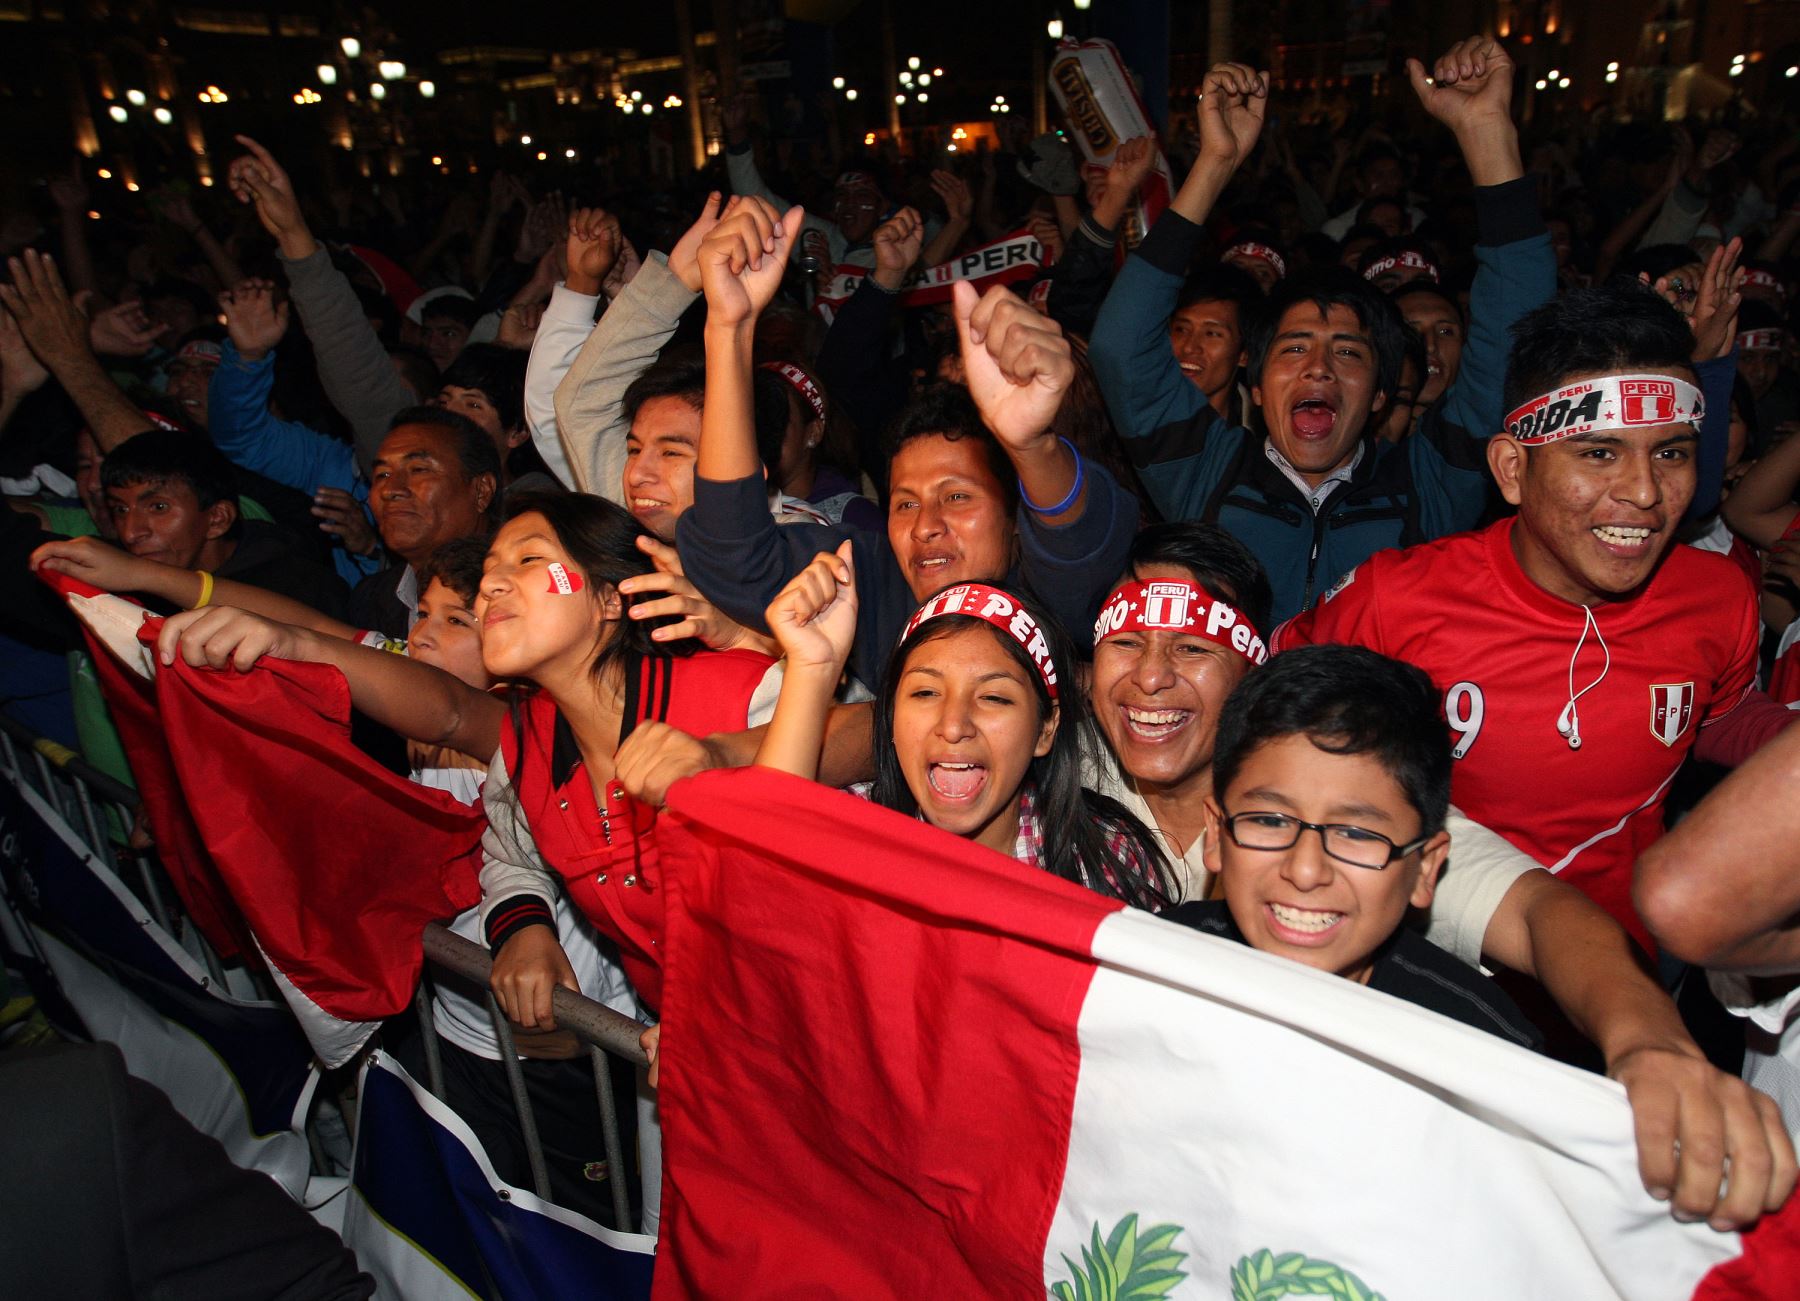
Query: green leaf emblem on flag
x,y
1127,1266
1265,1276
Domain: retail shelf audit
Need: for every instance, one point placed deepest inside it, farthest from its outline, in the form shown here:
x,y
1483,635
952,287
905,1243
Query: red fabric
x,y
606,851
1744,731
869,1053
1768,1269
336,862
1463,610
179,847
396,281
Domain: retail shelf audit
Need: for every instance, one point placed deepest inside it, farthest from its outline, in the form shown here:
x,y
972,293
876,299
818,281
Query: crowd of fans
x,y
1391,522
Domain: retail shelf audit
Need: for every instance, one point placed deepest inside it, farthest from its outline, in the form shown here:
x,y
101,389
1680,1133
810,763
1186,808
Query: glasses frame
x,y
1395,851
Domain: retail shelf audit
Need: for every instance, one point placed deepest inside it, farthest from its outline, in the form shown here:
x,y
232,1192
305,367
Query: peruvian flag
x,y
330,863
896,1064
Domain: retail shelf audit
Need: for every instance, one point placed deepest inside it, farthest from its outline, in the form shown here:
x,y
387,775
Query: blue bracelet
x,y
1074,491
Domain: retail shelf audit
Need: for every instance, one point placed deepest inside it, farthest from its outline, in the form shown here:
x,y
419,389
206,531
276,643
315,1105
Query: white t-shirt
x,y
1771,1040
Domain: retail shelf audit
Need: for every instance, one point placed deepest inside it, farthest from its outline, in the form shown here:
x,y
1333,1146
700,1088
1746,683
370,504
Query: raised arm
x,y
421,703
814,619
621,347
1761,508
592,250
353,366
57,332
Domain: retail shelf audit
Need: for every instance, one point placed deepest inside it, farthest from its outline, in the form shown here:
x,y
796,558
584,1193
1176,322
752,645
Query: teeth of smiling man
x,y
1304,919
1620,535
1156,722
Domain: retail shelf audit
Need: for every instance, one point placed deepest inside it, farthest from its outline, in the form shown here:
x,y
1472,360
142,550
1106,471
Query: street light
x,y
377,90
924,98
913,63
391,69
837,83
899,99
327,74
1083,4
117,113
136,97
1055,28
427,89
351,47
851,93
163,116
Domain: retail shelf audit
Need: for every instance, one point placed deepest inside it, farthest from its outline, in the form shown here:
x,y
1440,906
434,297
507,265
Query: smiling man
x,y
1319,493
1577,648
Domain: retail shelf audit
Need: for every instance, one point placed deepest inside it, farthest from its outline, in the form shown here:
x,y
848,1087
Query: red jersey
x,y
1676,657
605,850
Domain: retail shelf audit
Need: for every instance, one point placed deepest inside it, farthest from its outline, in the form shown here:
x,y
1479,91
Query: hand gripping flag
x,y
329,861
895,1064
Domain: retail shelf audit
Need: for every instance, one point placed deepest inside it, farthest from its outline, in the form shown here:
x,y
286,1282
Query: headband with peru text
x,y
1768,340
801,383
1757,278
1409,259
1610,402
1261,252
1174,605
1003,611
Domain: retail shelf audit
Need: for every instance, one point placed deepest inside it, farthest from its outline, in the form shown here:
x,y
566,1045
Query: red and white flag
x,y
1006,261
332,864
895,1064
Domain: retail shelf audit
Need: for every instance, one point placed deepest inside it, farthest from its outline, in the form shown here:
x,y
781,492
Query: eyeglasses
x,y
1357,846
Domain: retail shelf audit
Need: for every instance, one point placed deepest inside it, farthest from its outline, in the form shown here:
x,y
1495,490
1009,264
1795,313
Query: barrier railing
x,y
81,793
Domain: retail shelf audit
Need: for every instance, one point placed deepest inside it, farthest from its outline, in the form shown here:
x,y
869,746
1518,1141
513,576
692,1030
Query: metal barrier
x,y
78,792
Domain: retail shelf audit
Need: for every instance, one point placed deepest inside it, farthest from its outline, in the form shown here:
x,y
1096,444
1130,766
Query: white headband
x,y
1609,402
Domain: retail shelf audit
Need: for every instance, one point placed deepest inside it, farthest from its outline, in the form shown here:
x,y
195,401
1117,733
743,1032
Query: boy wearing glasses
x,y
1331,778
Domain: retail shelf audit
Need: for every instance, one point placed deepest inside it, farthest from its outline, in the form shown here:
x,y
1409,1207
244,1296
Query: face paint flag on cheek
x,y
1003,611
562,582
1610,402
1174,605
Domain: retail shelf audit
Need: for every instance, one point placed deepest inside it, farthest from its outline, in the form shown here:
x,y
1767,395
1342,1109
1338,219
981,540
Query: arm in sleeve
x,y
746,177
1347,615
1715,376
1079,281
1073,565
1481,869
565,326
517,890
286,451
620,348
1741,719
353,366
1136,367
740,558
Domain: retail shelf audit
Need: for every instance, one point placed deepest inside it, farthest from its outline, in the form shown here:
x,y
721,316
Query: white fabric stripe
x,y
1259,1104
1617,827
333,1039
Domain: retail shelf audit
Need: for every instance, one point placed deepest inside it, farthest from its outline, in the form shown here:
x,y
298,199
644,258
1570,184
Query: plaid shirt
x,y
1124,859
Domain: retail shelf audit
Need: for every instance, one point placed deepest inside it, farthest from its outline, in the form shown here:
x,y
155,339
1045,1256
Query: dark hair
x,y
1223,283
1076,823
1345,700
1426,289
1365,211
683,378
159,456
452,307
770,393
947,411
185,290
497,372
601,539
1755,314
1214,559
475,451
1656,261
457,565
1614,326
1325,288
416,367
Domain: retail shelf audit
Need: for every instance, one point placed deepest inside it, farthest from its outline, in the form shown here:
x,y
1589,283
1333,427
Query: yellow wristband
x,y
206,586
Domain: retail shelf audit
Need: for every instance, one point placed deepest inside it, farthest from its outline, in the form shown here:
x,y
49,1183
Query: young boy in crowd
x,y
1345,745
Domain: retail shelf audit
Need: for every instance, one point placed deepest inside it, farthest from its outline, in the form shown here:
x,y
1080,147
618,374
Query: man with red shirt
x,y
1581,655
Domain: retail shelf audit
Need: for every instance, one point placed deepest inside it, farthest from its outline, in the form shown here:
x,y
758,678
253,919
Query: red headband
x,y
1764,280
1175,605
1768,340
1415,261
1262,253
801,383
1003,611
